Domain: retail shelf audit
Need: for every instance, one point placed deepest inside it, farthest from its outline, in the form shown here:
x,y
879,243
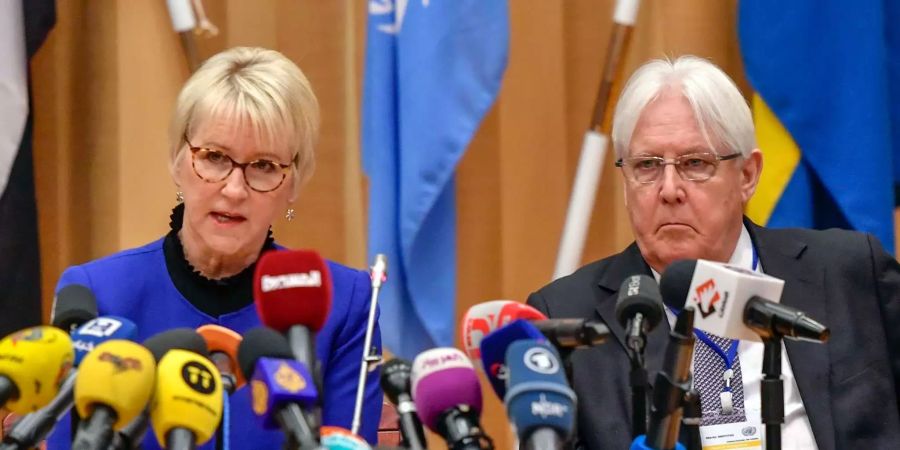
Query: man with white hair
x,y
684,140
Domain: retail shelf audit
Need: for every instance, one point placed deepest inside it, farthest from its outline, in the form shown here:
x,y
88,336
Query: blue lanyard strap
x,y
727,355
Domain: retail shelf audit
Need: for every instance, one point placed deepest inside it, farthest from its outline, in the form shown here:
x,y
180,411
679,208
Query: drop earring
x,y
289,214
179,197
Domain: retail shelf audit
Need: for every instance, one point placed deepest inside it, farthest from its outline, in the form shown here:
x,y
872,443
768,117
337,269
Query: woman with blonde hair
x,y
241,144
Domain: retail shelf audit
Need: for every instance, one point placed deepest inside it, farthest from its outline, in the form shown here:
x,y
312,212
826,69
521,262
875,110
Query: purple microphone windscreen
x,y
493,350
443,378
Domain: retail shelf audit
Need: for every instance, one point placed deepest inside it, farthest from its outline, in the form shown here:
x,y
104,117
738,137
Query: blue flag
x,y
830,74
433,69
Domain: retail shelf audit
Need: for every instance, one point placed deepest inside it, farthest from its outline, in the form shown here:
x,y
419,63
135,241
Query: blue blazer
x,y
135,284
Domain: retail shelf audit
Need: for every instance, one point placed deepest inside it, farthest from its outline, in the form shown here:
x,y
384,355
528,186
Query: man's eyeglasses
x,y
691,167
213,166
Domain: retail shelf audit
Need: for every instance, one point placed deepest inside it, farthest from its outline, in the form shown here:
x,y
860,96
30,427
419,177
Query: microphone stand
x,y
772,391
370,357
693,413
636,343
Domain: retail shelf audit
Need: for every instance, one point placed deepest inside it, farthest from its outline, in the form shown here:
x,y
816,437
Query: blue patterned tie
x,y
709,369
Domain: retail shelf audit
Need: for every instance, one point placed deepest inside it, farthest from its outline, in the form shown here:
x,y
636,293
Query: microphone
x,y
130,436
639,309
114,384
483,318
736,303
223,347
187,401
448,397
493,351
281,387
73,305
33,364
395,382
99,330
539,401
293,292
337,438
33,428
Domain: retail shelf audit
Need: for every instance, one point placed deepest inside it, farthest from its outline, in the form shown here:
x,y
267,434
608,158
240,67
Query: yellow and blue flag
x,y
826,105
433,69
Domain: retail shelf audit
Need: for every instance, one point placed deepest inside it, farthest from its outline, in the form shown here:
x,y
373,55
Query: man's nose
x,y
671,188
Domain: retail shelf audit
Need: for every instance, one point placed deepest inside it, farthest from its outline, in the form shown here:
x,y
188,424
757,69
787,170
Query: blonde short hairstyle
x,y
256,86
721,111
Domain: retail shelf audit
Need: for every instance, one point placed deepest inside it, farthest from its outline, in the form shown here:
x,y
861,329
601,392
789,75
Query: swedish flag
x,y
826,76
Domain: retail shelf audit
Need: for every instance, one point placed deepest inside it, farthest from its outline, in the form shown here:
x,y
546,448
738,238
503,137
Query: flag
x,y
432,70
825,76
23,26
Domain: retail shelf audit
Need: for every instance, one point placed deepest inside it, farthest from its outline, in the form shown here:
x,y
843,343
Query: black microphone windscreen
x,y
395,378
639,294
675,283
261,342
73,306
176,338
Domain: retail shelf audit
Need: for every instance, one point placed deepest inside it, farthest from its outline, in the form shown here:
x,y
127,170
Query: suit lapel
x,y
782,256
606,289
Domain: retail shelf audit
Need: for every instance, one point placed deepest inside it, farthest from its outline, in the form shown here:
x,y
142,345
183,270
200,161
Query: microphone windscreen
x,y
395,379
177,338
639,294
538,395
292,287
443,378
119,374
73,305
261,342
223,340
188,395
37,360
337,438
675,282
483,318
101,329
493,350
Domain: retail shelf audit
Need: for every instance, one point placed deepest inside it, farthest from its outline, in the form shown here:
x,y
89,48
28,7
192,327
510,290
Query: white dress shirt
x,y
796,431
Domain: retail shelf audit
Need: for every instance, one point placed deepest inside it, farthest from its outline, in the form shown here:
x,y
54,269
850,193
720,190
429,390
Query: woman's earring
x,y
289,214
179,197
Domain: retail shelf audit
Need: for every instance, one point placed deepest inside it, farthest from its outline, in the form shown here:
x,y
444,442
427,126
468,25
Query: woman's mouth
x,y
227,218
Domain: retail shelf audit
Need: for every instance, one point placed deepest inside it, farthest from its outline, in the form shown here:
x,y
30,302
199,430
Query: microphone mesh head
x,y
675,283
73,306
395,378
292,287
176,338
639,294
261,342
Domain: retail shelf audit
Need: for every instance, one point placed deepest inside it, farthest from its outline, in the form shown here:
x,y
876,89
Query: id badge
x,y
730,436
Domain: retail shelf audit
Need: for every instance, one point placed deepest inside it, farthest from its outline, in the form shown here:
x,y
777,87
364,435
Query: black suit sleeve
x,y
537,301
887,277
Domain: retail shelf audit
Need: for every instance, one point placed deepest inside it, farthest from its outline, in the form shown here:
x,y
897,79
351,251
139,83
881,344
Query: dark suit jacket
x,y
844,279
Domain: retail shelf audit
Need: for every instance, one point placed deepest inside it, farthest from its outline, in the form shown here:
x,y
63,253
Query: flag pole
x,y
593,147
